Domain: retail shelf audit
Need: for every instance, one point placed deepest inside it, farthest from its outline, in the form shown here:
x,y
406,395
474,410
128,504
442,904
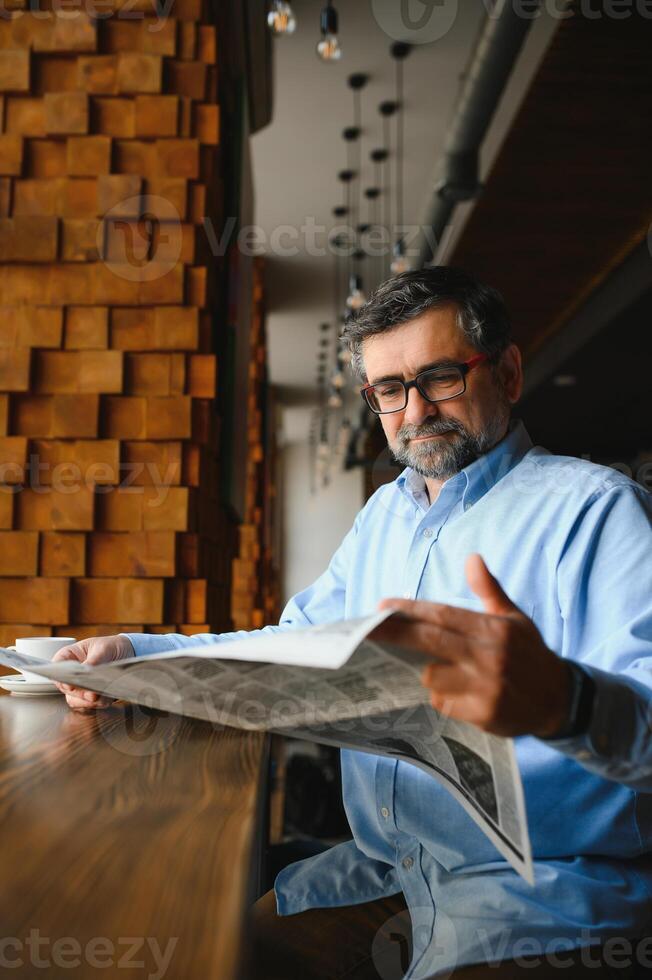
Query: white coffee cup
x,y
43,647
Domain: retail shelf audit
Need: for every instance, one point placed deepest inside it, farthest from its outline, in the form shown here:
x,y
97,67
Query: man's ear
x,y
510,369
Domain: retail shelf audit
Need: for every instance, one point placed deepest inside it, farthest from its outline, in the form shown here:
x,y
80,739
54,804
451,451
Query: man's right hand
x,y
94,650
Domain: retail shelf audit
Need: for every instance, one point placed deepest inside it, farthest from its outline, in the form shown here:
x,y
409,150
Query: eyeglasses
x,y
435,385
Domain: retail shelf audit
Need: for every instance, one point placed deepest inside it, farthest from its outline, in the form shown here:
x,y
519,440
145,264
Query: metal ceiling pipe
x,y
491,62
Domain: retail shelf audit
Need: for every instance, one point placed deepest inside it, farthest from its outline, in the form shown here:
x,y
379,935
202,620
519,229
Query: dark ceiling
x,y
570,194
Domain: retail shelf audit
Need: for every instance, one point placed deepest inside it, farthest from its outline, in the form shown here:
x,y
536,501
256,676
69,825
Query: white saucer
x,y
27,689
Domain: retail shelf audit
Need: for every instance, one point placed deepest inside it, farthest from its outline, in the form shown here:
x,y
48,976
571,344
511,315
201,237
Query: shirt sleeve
x,y
321,602
605,595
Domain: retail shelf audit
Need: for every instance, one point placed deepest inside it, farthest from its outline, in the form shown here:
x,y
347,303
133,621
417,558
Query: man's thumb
x,y
488,588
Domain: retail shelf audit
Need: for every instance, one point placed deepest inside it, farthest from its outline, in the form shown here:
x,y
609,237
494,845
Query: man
x,y
529,576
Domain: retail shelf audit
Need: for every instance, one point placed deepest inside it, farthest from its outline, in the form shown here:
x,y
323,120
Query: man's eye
x,y
389,391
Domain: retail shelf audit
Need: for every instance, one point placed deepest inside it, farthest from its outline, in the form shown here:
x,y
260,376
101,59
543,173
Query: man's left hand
x,y
493,668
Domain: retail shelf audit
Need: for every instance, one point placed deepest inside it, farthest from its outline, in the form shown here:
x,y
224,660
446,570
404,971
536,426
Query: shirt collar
x,y
481,475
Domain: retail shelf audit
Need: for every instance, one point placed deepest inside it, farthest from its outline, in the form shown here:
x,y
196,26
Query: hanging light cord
x,y
399,143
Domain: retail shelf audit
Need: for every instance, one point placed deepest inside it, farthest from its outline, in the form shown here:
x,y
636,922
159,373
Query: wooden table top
x,y
127,837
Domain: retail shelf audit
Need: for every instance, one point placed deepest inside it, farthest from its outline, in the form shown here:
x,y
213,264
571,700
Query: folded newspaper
x,y
328,684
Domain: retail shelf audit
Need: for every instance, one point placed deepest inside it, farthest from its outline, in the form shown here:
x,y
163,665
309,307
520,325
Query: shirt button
x,y
408,863
384,812
428,532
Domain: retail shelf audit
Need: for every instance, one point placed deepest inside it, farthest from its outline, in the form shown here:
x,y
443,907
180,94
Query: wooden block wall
x,y
110,516
255,597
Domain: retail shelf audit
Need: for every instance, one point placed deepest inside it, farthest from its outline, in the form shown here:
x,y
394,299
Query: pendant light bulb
x,y
334,400
337,380
399,262
344,356
356,298
328,47
280,18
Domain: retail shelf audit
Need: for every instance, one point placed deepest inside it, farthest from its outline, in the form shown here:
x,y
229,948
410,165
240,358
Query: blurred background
x,y
193,198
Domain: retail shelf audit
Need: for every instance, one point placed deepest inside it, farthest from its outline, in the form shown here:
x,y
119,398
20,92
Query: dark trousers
x,y
372,941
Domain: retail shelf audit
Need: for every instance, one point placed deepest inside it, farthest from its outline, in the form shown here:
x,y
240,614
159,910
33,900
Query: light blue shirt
x,y
571,544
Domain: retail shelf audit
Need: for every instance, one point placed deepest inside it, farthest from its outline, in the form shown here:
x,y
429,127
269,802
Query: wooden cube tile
x,y
121,509
206,123
186,600
157,115
62,554
93,461
120,194
28,238
84,371
158,35
147,554
124,417
165,287
75,416
72,34
166,508
66,112
133,157
36,197
11,154
202,375
14,369
125,600
18,553
14,71
4,414
196,286
10,632
132,328
207,44
156,464
81,239
45,158
186,78
165,196
154,374
88,155
187,44
37,600
191,465
25,117
176,328
178,158
139,72
82,631
98,74
168,418
122,34
53,73
13,459
113,116
78,198
30,326
56,510
7,506
87,328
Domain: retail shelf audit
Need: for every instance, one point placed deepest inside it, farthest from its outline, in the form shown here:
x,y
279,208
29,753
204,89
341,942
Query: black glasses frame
x,y
463,367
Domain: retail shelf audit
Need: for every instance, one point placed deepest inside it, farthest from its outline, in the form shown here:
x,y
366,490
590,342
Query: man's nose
x,y
418,408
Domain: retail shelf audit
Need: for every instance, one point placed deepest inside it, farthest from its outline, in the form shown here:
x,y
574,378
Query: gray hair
x,y
481,312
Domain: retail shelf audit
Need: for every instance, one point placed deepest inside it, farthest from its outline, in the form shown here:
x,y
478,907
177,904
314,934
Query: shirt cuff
x,y
144,643
617,744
